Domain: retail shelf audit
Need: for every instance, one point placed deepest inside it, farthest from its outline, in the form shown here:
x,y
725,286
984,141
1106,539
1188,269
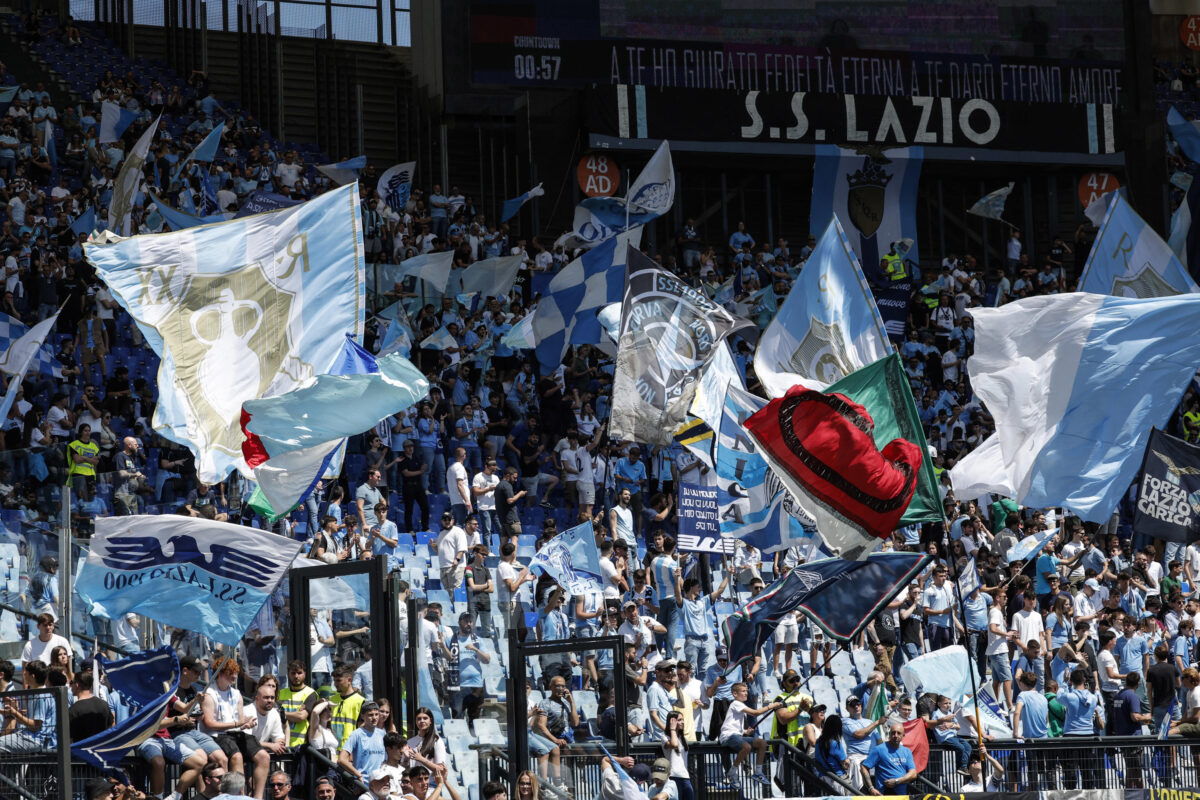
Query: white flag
x,y
124,188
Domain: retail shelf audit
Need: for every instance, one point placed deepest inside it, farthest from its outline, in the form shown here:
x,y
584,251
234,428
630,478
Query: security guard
x,y
788,722
1191,422
297,702
893,265
347,705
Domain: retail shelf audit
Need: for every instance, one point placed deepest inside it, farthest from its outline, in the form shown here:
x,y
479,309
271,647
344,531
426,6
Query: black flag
x,y
1168,504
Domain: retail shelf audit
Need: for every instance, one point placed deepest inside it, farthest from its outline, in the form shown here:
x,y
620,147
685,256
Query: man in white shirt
x,y
997,650
269,728
452,551
614,582
458,486
738,737
483,487
639,631
39,647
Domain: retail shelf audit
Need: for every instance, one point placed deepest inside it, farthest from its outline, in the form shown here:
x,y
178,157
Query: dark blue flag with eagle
x,y
1168,504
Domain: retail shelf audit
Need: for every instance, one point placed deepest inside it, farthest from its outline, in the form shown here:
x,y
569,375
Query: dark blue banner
x,y
699,527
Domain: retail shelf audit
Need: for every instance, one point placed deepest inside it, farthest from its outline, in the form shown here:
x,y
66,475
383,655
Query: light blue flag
x,y
1185,133
205,152
1046,368
433,268
720,372
511,207
397,339
566,314
828,325
343,172
439,340
240,310
146,681
573,560
1129,259
876,197
181,220
187,572
947,672
86,222
357,392
521,337
968,579
114,121
991,205
1030,546
492,277
44,361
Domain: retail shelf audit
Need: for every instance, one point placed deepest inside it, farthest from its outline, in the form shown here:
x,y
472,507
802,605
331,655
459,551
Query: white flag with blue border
x,y
1129,259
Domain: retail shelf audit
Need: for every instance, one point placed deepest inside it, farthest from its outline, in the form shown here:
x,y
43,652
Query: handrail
x,y
319,757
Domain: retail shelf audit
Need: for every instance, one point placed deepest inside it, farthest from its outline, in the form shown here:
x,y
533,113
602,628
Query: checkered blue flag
x,y
44,362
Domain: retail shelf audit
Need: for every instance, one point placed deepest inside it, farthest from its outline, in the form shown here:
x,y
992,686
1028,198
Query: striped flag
x,y
114,121
511,207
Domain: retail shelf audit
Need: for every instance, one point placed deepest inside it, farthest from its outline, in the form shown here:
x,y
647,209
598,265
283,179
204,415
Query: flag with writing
x,y
1168,502
572,560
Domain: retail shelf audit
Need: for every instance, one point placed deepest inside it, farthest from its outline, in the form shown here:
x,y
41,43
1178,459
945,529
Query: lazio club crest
x,y
822,354
1146,282
865,198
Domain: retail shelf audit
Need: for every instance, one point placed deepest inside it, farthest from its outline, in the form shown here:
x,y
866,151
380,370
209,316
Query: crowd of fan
x,y
1098,632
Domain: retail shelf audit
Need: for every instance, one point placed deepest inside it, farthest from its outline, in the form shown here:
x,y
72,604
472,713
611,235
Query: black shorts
x,y
238,742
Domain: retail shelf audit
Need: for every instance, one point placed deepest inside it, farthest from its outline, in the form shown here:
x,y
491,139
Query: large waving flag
x,y
840,596
240,310
752,503
44,360
147,681
343,172
395,185
187,572
1042,366
828,326
572,560
875,191
309,422
719,373
991,205
120,208
1185,132
598,219
492,277
114,121
820,446
181,220
511,207
1129,259
566,314
20,356
883,390
669,332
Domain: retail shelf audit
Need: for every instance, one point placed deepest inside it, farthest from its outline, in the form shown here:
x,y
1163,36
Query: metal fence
x,y
35,725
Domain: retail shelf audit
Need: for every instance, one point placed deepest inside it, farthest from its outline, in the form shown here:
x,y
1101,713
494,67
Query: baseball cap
x,y
192,663
1092,583
97,787
722,652
380,774
666,663
662,768
853,700
370,705
629,604
640,773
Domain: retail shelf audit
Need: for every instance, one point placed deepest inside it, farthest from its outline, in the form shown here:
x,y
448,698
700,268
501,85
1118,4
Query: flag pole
x,y
962,606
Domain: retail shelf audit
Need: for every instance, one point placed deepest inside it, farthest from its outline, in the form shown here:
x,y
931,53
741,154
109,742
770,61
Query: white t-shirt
x,y
735,720
454,475
37,650
449,545
1191,701
269,727
486,502
509,572
1028,625
1154,570
429,635
996,643
609,571
1107,660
